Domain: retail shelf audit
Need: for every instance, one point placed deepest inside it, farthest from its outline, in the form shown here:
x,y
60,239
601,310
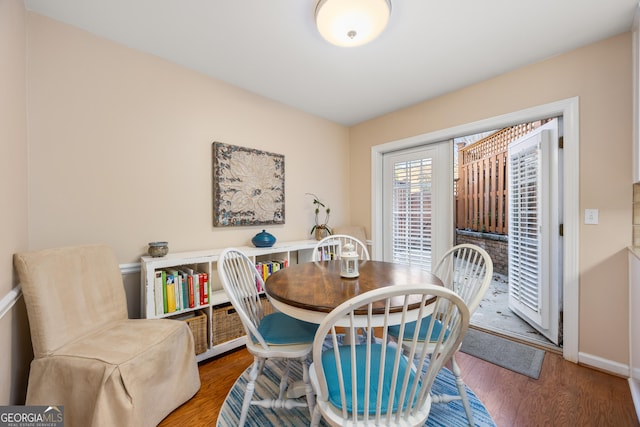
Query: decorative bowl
x,y
158,249
263,240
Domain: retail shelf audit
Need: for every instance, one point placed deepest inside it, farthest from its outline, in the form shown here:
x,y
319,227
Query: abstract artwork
x,y
248,186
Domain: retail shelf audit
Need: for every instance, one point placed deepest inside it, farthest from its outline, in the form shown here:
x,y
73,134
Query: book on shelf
x,y
170,286
196,289
180,288
275,266
267,268
188,288
184,289
165,306
207,291
259,270
204,288
193,281
177,279
282,263
157,292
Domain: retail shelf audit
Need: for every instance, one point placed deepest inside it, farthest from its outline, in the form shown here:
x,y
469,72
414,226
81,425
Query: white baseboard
x,y
133,267
603,364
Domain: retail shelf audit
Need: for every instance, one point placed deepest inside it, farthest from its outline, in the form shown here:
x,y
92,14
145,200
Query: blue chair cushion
x,y
331,374
410,327
280,329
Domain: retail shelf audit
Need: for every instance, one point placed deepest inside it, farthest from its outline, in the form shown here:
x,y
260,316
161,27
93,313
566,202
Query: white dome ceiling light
x,y
352,23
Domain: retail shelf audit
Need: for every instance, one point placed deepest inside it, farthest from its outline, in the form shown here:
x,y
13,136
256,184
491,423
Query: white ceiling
x,y
272,48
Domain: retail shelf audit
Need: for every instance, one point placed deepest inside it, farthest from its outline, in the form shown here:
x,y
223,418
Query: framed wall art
x,y
248,186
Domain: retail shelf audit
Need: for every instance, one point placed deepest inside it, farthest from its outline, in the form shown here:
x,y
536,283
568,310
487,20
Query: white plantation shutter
x,y
524,226
411,213
535,215
417,205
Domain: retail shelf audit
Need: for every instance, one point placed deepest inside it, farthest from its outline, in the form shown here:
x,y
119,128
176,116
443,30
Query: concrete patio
x,y
494,315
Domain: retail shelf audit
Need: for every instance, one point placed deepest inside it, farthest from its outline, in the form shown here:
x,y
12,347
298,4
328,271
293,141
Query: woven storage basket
x,y
198,325
226,322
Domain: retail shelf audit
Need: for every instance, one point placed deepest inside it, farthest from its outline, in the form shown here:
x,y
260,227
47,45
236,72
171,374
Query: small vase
x,y
158,249
263,240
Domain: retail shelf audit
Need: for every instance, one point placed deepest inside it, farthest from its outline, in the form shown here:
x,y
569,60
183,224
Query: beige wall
x,y
600,74
120,148
14,337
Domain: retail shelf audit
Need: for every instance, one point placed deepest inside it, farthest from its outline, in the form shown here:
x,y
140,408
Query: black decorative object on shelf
x,y
263,240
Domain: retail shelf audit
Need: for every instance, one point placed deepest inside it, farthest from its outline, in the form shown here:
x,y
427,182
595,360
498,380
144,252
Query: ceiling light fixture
x,y
352,22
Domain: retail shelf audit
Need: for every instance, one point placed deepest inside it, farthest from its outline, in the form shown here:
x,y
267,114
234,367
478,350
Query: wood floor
x,y
565,394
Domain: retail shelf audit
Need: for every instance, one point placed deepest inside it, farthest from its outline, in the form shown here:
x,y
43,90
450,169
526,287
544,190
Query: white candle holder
x,y
349,262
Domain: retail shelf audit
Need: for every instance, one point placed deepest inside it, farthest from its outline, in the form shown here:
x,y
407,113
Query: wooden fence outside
x,y
481,188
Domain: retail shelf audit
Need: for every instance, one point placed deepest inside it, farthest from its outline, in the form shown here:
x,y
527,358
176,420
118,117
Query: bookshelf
x,y
224,331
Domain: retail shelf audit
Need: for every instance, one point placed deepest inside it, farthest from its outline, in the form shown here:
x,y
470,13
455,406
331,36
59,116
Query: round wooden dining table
x,y
309,291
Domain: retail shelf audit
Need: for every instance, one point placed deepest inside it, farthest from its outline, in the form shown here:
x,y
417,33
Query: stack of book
x,y
267,268
180,288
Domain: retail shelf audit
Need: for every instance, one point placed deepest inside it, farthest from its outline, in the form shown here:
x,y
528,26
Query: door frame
x,y
569,110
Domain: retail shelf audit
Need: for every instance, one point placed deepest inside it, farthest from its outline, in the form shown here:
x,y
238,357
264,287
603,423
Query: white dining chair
x,y
271,336
331,247
467,270
375,383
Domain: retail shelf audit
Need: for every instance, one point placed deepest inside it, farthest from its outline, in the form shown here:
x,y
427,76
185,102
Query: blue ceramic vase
x,y
263,240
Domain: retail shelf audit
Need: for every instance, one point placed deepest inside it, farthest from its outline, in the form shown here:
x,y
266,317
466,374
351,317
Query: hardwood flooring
x,y
566,394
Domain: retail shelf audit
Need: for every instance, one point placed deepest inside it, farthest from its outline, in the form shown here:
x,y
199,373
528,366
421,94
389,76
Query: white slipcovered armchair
x,y
104,368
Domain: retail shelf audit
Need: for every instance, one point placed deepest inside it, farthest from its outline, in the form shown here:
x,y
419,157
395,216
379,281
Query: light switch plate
x,y
591,216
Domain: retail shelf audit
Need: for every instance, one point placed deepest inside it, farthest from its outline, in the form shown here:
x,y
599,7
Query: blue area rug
x,y
444,415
